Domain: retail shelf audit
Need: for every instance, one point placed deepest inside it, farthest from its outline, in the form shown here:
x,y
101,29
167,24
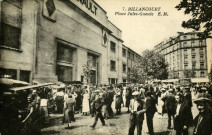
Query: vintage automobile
x,y
14,108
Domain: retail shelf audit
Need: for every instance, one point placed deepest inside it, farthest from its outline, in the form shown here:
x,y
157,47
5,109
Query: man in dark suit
x,y
181,121
203,121
150,111
170,104
137,109
98,103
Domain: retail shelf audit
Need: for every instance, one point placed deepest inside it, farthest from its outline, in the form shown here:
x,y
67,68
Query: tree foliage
x,y
189,73
151,65
87,71
154,65
210,75
201,11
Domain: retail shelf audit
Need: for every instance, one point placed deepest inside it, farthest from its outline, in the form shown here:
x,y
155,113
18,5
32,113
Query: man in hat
x,y
203,121
181,121
170,106
98,103
137,109
150,111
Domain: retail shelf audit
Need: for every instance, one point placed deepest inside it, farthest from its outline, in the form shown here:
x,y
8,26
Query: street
x,y
116,126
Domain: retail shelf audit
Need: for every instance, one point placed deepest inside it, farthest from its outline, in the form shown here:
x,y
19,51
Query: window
x,y
92,60
112,46
124,52
186,58
112,65
193,36
200,43
10,73
184,44
192,43
184,37
186,65
64,53
124,68
64,73
202,65
24,75
129,70
10,26
133,57
185,51
193,65
128,55
201,57
15,2
193,58
10,36
202,74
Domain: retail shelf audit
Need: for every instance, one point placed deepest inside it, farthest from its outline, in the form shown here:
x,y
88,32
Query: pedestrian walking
x,y
137,109
150,111
69,107
98,103
170,106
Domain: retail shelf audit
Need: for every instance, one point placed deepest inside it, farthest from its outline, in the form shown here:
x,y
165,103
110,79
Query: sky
x,y
144,32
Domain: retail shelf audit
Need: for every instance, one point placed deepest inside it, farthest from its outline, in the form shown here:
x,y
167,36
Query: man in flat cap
x,y
137,109
203,121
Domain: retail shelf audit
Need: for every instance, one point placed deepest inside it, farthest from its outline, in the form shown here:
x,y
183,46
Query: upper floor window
x,y
112,65
124,68
10,36
128,55
64,53
124,54
202,74
10,26
112,46
15,2
192,43
200,43
184,37
184,44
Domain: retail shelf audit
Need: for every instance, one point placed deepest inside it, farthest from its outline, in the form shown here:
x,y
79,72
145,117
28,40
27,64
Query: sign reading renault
x,y
89,5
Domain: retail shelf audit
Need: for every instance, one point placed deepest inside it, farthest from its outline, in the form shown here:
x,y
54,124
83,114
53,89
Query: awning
x,y
199,80
31,87
7,81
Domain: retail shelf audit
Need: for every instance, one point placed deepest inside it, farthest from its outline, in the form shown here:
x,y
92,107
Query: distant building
x,y
186,55
53,40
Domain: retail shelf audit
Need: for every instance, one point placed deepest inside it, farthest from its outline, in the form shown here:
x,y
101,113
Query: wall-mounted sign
x,y
89,5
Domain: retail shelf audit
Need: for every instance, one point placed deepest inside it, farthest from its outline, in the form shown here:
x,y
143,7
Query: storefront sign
x,y
89,5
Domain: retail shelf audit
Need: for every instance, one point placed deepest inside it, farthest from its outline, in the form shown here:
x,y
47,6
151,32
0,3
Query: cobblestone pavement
x,y
116,126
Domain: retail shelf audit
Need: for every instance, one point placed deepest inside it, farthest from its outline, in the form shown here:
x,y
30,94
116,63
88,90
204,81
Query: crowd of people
x,y
142,101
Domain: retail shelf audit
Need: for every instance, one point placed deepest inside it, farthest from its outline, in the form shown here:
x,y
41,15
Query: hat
x,y
135,93
202,97
163,89
171,90
96,91
204,89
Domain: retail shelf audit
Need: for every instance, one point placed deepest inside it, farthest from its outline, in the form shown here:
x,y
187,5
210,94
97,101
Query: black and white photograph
x,y
105,67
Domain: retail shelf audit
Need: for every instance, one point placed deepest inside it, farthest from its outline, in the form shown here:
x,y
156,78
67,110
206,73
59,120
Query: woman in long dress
x,y
85,103
69,107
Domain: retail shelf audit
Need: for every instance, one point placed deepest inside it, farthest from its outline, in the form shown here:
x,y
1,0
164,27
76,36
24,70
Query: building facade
x,y
186,55
54,40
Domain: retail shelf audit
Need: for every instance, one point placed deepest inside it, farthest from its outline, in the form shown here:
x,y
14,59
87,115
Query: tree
x,y
137,75
189,73
201,11
153,65
210,75
87,71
